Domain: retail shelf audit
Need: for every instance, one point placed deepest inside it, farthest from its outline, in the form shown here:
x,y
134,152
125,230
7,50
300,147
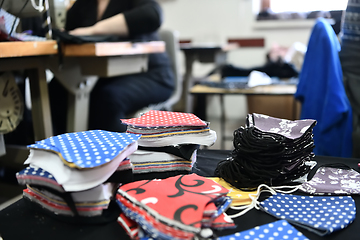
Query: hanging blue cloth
x,y
322,94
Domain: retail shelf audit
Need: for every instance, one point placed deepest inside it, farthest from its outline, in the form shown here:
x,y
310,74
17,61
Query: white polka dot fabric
x,y
273,231
156,118
322,215
88,149
36,172
36,175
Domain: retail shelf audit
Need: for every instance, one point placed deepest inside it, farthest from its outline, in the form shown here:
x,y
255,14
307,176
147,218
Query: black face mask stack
x,y
270,151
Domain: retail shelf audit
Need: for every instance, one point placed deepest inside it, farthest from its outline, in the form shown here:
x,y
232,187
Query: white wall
x,y
218,20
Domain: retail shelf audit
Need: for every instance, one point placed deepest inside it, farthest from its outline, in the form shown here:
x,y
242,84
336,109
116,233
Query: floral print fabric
x,y
333,181
287,128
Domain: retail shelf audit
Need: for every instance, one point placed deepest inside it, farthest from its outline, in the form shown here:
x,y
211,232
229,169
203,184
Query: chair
x,y
171,39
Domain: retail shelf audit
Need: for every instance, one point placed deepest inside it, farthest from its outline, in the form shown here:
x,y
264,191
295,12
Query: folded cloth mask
x,y
333,181
319,214
277,230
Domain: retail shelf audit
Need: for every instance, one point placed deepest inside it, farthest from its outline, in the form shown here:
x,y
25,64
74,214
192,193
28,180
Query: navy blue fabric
x,y
322,94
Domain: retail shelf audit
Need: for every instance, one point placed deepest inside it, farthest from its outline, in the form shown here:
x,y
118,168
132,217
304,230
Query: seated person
x,y
275,66
116,97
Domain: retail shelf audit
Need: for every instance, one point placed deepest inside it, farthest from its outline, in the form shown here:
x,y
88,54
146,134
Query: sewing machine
x,y
30,8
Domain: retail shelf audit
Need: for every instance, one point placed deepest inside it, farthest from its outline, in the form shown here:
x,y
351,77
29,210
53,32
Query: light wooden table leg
x,y
39,91
40,110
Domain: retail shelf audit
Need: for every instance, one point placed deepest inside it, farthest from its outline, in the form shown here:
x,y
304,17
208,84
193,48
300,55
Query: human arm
x,y
143,16
115,25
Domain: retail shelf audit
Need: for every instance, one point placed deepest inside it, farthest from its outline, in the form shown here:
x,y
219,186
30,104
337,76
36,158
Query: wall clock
x,y
11,103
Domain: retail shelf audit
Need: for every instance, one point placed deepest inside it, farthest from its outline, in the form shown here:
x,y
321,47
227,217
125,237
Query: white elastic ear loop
x,y
254,202
254,198
39,7
292,189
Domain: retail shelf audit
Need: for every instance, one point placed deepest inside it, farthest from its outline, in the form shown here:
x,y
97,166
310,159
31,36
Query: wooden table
x,y
258,90
82,64
31,56
204,53
273,100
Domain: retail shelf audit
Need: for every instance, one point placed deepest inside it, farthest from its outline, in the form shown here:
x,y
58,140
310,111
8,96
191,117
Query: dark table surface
x,y
22,221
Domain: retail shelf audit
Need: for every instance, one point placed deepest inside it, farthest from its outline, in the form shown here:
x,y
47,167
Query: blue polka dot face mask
x,y
277,230
87,149
321,215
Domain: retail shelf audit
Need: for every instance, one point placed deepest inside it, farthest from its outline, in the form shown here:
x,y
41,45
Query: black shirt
x,y
143,18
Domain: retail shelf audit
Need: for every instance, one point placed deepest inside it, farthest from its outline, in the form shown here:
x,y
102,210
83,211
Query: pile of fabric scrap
x,y
169,140
77,174
179,207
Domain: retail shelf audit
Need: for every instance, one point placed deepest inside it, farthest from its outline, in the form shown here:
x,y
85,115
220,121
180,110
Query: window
x,y
278,6
301,9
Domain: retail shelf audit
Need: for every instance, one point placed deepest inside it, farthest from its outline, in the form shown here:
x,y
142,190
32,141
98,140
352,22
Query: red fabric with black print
x,y
183,202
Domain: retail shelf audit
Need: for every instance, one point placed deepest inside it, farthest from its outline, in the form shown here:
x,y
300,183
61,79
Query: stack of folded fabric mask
x,y
270,151
169,140
70,174
164,159
180,207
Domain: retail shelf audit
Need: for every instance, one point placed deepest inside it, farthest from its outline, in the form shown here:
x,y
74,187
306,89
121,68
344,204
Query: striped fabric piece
x,y
58,205
38,176
152,161
162,166
351,26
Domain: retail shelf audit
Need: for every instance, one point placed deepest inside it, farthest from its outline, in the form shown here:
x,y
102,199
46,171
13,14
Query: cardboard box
x,y
280,106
